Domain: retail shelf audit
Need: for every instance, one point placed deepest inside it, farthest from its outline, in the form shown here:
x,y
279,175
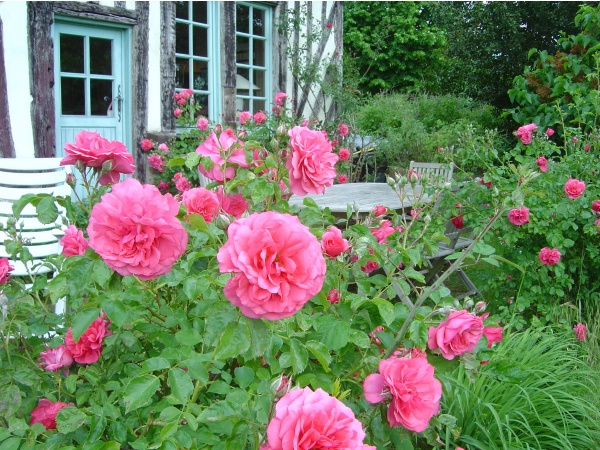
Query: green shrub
x,y
537,392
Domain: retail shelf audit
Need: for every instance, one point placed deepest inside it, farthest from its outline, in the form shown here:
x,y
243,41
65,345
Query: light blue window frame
x,y
250,99
213,60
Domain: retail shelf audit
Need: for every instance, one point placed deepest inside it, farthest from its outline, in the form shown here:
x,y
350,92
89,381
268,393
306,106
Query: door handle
x,y
119,100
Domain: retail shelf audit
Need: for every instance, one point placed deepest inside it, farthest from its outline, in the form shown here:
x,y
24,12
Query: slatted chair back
x,y
437,170
31,176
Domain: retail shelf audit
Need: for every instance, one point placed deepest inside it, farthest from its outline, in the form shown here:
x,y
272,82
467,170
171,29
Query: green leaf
x,y
139,391
188,336
10,400
12,443
192,160
20,204
46,209
116,312
101,273
234,341
333,332
82,321
155,364
69,419
319,351
181,385
386,310
97,426
418,333
244,376
196,369
176,161
260,337
299,356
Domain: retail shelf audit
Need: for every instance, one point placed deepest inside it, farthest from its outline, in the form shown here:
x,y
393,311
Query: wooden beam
x,y
139,95
41,64
167,64
7,145
280,53
87,10
228,64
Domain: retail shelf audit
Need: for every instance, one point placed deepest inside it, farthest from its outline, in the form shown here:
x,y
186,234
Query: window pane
x,y
100,56
258,22
258,57
242,22
71,53
258,105
243,50
200,41
242,81
182,40
181,10
200,76
199,12
182,73
101,98
72,96
259,83
202,102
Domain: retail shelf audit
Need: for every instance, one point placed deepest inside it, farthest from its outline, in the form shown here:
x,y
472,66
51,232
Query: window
x,y
253,54
197,65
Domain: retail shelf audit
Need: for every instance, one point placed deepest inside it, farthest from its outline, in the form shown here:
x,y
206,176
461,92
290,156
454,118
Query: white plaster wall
x,y
130,5
154,89
16,57
107,3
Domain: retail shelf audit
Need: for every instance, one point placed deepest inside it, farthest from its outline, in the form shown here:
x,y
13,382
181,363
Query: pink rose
x,y
163,186
306,419
549,132
5,270
456,335
342,178
201,201
233,204
525,133
329,25
415,393
202,123
370,266
135,230
56,358
182,184
493,334
596,206
45,413
245,116
383,232
177,112
343,129
518,216
344,154
259,117
73,242
575,139
580,332
332,243
379,211
163,148
280,98
333,296
549,256
224,151
146,145
542,164
88,348
277,262
458,221
587,148
157,162
574,188
311,161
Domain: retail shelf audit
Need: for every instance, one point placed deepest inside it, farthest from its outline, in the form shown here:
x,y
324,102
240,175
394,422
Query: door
x,y
91,88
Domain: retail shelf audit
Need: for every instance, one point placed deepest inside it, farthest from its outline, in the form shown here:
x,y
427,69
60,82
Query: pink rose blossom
x,y
163,186
574,188
580,332
458,221
342,179
525,133
277,262
333,296
45,413
88,348
201,201
182,184
549,132
549,256
415,213
587,148
146,145
73,242
519,216
56,358
329,25
177,112
259,117
344,154
343,129
456,335
370,266
202,123
383,232
305,123
233,204
135,230
575,139
542,164
415,393
332,242
225,150
156,162
493,334
596,206
163,148
280,98
5,270
245,116
311,161
307,419
379,211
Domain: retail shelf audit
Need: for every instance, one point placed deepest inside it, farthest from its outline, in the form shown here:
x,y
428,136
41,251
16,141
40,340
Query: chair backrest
x,y
438,170
31,176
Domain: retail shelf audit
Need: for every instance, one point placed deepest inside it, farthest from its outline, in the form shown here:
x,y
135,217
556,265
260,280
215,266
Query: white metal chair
x,y
32,176
437,170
